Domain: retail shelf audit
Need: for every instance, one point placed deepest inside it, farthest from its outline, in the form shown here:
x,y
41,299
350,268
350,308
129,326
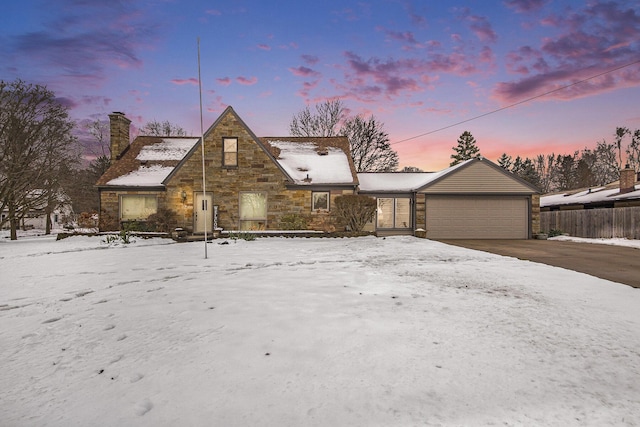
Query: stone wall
x,y
535,214
256,172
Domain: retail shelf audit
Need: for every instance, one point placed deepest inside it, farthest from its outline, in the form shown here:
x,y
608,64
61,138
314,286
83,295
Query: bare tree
x,y
369,143
411,169
324,122
370,146
621,132
166,128
633,151
606,168
35,140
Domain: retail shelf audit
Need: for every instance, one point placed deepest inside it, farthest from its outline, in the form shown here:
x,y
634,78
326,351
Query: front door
x,y
203,211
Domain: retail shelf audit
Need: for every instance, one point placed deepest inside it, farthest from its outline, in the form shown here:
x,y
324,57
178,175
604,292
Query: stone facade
x,y
256,171
535,214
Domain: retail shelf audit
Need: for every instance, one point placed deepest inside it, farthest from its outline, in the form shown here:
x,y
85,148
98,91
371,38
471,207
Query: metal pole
x,y
205,206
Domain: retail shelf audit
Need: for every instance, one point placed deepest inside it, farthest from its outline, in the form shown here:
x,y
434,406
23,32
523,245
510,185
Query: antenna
x,y
205,205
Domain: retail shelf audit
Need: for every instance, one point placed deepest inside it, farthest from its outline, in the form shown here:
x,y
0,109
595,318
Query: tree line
x,y
584,168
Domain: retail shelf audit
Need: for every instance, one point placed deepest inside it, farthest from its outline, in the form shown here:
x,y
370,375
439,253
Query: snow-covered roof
x,y
148,161
168,149
313,161
589,196
144,176
303,163
394,181
400,181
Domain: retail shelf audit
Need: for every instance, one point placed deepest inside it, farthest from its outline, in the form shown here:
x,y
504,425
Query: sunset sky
x,y
418,66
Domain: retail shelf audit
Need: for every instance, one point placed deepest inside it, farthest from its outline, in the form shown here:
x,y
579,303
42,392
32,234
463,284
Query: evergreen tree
x,y
466,149
505,162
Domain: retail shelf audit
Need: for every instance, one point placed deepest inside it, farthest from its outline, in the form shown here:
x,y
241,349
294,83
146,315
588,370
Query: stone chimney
x,y
119,130
627,180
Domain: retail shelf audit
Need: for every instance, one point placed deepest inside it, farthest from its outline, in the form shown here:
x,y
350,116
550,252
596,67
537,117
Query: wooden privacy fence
x,y
594,223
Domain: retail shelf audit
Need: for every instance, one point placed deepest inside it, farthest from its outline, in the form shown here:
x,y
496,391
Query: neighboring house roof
x,y
148,161
590,196
314,160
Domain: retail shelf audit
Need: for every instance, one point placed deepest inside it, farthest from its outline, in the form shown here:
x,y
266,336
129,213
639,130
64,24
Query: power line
x,y
517,103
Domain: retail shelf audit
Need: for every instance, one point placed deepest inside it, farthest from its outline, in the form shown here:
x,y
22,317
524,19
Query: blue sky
x,y
418,66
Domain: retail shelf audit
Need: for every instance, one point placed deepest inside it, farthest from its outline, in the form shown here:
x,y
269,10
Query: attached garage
x,y
475,199
477,217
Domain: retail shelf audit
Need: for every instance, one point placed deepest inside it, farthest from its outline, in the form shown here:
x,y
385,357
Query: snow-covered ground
x,y
320,332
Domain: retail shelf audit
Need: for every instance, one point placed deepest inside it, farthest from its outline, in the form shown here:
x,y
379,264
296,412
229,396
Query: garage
x,y
477,217
475,199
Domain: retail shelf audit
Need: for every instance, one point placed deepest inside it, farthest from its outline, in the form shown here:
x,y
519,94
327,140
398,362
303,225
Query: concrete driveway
x,y
615,263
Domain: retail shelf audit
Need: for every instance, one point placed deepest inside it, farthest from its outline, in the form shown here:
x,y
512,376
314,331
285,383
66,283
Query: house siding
x,y
478,177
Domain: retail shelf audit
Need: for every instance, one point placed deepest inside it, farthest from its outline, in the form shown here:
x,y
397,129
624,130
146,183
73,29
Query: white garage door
x,y
477,217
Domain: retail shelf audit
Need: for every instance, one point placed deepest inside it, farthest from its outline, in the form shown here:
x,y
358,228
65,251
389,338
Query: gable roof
x,y
478,175
148,161
458,178
314,160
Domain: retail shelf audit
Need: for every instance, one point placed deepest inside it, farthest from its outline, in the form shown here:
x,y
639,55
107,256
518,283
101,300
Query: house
x,y
475,199
271,182
252,183
622,193
36,216
606,211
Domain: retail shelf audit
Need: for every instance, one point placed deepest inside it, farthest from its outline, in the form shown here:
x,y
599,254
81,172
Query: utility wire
x,y
517,103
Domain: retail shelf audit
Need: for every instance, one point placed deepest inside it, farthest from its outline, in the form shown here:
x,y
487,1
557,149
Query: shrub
x,y
293,222
88,220
107,222
554,233
162,221
355,210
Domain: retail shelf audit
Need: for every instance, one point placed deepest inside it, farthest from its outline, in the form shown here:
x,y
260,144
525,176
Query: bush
x,y
355,210
107,222
88,220
554,233
162,221
293,222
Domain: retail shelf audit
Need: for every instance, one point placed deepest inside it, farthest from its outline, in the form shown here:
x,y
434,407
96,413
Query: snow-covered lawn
x,y
291,332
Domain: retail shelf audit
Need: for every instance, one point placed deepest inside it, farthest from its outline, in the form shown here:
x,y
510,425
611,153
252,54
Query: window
x,y
394,213
230,151
253,211
320,201
137,207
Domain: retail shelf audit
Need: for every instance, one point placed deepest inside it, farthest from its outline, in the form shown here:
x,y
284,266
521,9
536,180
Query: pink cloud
x,y
482,28
224,81
590,41
217,106
247,81
264,47
189,81
213,12
303,71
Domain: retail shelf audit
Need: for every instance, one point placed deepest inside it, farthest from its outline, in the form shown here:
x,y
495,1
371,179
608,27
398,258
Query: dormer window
x,y
230,152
